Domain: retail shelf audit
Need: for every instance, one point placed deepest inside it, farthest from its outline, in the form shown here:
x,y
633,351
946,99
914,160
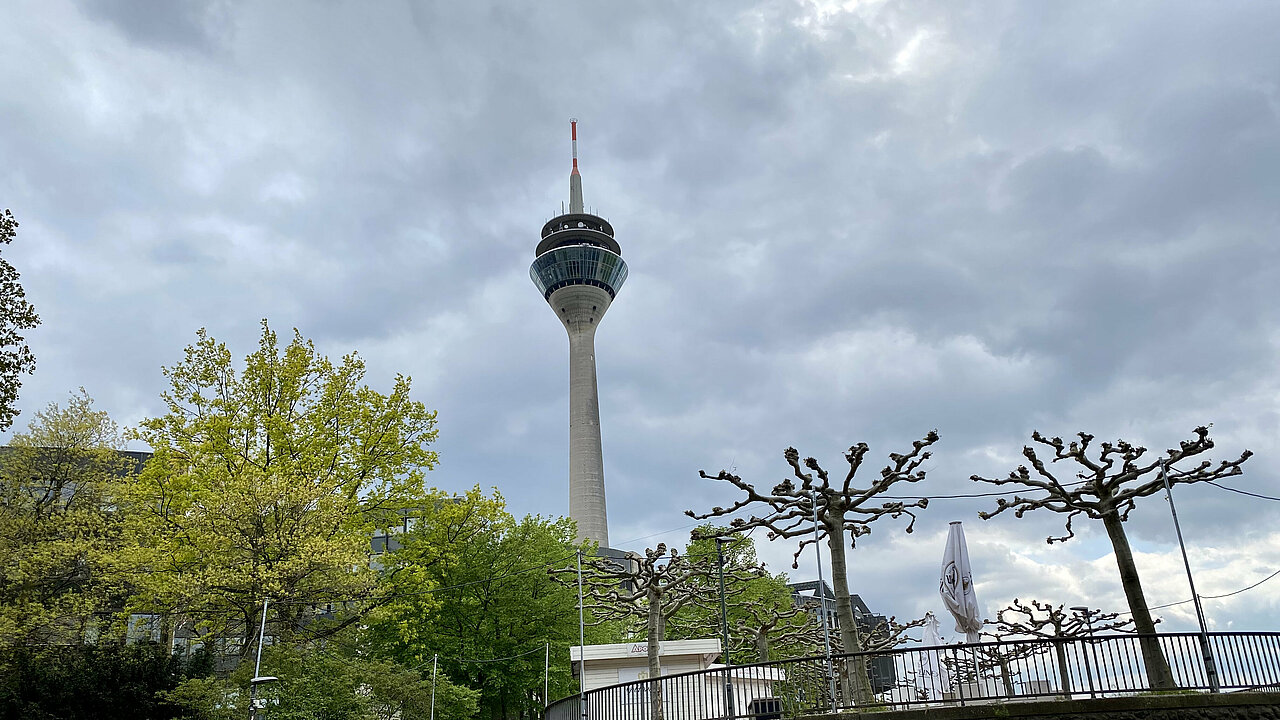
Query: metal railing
x,y
1008,671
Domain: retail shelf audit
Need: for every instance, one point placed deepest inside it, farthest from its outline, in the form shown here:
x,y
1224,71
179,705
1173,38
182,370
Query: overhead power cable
x,y
1214,597
1243,492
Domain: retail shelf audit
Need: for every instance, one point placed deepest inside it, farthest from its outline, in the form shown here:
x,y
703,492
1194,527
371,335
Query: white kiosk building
x,y
623,663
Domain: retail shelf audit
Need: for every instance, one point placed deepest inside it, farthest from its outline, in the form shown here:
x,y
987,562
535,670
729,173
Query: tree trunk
x,y
1158,673
762,646
656,630
1064,675
1005,679
167,628
856,667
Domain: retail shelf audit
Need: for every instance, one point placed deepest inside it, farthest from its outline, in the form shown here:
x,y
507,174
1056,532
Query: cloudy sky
x,y
844,222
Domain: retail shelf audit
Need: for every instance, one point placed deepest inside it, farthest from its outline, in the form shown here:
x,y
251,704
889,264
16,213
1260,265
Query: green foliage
x,y
58,535
98,682
330,682
268,482
16,315
489,598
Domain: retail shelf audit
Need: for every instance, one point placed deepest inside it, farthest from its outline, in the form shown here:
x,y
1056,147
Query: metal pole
x,y
582,647
546,678
724,630
257,664
434,659
822,601
1210,667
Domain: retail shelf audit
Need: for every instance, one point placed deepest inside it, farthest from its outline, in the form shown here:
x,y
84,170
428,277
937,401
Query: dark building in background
x,y
812,599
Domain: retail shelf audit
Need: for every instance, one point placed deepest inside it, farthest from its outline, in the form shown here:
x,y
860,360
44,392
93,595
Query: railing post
x,y
955,663
1088,671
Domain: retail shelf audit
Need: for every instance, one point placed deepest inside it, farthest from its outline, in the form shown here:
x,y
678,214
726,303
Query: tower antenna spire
x,y
575,180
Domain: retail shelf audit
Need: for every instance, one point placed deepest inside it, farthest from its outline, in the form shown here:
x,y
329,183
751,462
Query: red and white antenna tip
x,y
575,179
573,132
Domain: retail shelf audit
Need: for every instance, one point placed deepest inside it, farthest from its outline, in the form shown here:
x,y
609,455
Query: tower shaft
x,y
580,308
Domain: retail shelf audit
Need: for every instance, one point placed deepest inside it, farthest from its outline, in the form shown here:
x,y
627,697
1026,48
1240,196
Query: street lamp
x,y
724,631
258,678
822,600
1210,667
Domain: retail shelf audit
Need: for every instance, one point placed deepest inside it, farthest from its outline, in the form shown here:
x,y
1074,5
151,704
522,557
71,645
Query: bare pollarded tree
x,y
652,588
1045,620
880,634
765,626
841,509
1105,487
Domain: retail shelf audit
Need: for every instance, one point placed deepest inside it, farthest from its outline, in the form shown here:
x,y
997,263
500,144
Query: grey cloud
x,y
1053,217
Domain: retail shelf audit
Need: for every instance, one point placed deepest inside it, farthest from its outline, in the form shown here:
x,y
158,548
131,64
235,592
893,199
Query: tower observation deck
x,y
579,270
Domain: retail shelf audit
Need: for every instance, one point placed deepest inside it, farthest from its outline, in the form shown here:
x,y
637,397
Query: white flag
x,y
956,585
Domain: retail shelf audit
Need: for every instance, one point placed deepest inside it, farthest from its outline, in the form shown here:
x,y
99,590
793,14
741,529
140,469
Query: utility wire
x,y
1243,492
494,660
1237,592
1214,597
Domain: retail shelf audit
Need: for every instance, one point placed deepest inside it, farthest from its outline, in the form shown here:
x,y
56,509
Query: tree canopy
x,y
58,536
267,482
16,316
469,584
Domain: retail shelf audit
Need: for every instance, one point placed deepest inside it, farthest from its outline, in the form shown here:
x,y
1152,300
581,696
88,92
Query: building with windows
x,y
817,599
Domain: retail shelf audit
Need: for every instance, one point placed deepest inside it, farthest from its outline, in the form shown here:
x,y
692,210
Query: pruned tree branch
x,y
1108,483
1044,620
808,498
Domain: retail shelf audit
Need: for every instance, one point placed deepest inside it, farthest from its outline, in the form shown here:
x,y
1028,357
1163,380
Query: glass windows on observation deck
x,y
578,265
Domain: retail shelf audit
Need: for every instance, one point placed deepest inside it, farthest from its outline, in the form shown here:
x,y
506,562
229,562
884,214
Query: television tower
x,y
579,270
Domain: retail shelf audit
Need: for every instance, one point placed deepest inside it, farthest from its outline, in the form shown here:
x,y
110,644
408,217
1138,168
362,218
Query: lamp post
x,y
1087,614
822,601
435,659
258,678
724,632
1210,667
582,647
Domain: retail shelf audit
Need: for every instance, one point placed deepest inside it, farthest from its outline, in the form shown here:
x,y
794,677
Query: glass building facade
x,y
578,265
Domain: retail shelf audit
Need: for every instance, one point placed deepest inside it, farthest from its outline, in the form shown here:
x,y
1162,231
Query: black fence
x,y
1008,671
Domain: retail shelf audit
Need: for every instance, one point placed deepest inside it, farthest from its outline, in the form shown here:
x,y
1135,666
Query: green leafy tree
x,y
761,611
94,682
16,316
334,682
58,533
268,481
469,584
